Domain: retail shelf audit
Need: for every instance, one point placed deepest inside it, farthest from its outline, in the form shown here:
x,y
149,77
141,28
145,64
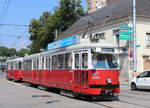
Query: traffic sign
x,y
125,33
138,45
125,28
125,38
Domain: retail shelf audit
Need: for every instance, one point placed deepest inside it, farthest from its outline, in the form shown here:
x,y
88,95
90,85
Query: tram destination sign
x,y
63,43
125,33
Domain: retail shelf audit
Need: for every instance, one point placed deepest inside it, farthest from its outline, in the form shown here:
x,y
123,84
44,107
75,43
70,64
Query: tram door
x,y
84,71
81,72
77,76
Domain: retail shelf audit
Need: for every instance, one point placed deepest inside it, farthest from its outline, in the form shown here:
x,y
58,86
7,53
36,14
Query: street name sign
x,y
125,33
125,28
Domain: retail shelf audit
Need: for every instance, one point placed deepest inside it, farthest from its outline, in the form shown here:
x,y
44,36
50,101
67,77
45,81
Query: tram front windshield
x,y
104,61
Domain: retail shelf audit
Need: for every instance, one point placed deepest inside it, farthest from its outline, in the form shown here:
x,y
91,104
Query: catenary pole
x,y
134,37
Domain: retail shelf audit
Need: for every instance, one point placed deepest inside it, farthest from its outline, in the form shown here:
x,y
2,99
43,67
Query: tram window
x,y
99,61
112,62
77,62
68,61
11,66
34,64
42,63
54,62
25,65
60,61
84,60
30,64
48,62
15,65
104,61
37,63
20,64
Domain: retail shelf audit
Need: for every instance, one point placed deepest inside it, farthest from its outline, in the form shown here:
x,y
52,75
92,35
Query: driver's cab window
x,y
143,75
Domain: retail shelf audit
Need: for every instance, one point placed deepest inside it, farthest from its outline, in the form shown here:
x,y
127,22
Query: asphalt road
x,y
20,95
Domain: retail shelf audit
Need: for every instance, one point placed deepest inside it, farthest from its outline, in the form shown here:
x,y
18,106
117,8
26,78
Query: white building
x,y
105,22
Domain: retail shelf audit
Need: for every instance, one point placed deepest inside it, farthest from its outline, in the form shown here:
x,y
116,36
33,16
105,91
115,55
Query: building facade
x,y
105,23
93,5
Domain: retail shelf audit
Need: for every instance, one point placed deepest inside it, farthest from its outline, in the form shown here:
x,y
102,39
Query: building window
x,y
147,39
116,34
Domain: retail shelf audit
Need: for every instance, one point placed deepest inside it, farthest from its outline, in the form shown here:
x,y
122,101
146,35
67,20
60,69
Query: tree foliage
x,y
7,52
22,52
42,30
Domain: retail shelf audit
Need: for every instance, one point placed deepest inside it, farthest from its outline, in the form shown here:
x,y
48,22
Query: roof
x,y
116,11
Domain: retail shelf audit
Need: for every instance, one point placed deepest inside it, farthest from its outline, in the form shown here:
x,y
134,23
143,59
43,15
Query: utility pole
x,y
56,33
134,37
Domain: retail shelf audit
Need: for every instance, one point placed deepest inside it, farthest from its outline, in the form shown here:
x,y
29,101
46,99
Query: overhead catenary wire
x,y
4,11
8,36
18,37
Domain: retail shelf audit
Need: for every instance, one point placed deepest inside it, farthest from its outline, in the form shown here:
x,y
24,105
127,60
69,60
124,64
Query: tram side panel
x,y
9,74
18,75
64,79
61,79
27,76
44,77
36,76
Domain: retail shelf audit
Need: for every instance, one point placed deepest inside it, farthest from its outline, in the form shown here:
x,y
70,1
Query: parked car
x,y
142,81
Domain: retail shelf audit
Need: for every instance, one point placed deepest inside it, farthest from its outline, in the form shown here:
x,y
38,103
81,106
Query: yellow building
x,y
93,5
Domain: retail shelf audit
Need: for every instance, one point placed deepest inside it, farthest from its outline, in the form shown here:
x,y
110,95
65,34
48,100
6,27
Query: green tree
x,y
3,51
22,52
7,52
12,52
42,30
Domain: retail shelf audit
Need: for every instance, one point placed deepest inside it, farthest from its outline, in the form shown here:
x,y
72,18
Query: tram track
x,y
134,97
121,102
110,105
115,104
103,105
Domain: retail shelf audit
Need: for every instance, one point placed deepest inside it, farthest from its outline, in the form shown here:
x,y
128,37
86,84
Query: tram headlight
x,y
109,81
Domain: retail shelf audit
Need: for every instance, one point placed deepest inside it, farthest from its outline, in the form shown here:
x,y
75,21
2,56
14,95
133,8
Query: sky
x,y
21,12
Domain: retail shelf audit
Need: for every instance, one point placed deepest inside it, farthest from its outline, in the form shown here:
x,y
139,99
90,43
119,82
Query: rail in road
x,y
127,98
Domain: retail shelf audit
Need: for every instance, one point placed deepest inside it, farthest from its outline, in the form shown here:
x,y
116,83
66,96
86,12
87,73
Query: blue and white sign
x,y
63,43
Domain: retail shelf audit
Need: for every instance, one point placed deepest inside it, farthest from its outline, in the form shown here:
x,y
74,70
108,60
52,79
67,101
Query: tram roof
x,y
15,60
76,47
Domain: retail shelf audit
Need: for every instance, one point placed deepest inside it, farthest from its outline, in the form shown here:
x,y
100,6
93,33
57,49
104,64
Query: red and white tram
x,y
88,69
14,69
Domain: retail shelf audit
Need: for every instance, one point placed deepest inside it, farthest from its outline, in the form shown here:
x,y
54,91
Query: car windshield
x,y
105,61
